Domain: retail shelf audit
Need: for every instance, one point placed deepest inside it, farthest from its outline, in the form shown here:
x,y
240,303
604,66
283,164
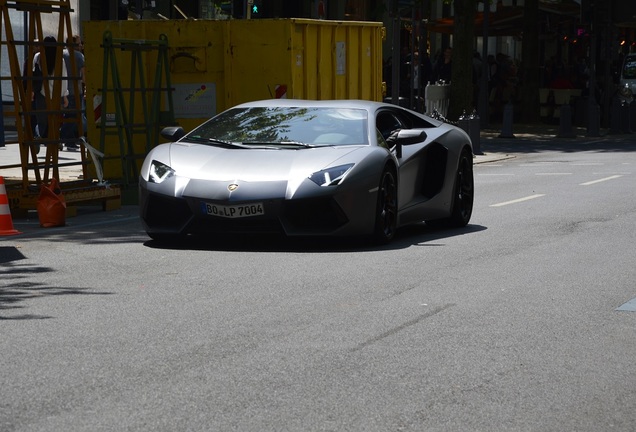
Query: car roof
x,y
370,106
333,103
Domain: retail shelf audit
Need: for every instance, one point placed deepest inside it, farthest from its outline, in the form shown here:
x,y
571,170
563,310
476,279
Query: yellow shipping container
x,y
214,65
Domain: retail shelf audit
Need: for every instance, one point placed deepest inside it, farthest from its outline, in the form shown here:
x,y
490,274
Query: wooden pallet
x,y
75,194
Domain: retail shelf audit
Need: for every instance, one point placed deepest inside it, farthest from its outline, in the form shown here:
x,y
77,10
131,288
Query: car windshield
x,y
629,70
284,127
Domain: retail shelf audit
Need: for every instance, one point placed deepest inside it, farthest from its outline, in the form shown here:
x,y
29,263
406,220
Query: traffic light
x,y
249,9
257,10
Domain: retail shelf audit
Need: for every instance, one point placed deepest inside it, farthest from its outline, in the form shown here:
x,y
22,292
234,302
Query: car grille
x,y
310,216
164,212
235,226
314,214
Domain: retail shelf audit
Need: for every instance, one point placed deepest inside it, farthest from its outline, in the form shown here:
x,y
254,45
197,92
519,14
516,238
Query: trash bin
x,y
437,97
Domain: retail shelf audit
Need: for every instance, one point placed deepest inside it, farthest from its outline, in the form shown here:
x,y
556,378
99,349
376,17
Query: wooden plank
x,y
109,196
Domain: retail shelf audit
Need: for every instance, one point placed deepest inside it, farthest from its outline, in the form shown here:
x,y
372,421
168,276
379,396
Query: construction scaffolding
x,y
127,94
38,93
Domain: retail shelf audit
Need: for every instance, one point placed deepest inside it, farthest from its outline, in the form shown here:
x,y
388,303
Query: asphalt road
x,y
519,322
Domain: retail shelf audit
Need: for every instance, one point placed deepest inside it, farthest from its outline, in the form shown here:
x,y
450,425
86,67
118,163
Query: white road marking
x,y
552,174
614,173
587,164
517,200
495,175
600,180
630,306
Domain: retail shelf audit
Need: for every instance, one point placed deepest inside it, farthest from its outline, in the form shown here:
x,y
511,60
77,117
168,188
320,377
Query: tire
x,y
463,195
386,209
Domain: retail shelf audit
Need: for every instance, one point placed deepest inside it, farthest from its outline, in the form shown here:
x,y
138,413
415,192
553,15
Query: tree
x,y
463,50
530,62
462,60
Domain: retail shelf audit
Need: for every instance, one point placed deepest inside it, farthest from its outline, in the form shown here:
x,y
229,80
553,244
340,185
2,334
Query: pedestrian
x,y
36,86
414,78
443,67
478,69
69,131
492,73
427,69
405,67
43,103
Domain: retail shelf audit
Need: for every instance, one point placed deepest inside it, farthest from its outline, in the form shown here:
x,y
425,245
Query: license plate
x,y
233,211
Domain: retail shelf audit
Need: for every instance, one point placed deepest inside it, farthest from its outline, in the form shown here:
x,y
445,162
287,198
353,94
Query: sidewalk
x,y
495,146
539,131
70,163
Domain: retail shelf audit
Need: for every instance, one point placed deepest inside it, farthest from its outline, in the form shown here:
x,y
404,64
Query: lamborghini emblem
x,y
232,187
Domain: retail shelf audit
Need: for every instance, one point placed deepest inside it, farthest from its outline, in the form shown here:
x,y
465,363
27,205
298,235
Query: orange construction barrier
x,y
51,205
6,224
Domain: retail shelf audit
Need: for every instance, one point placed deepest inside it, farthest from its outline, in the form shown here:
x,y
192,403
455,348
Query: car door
x,y
410,175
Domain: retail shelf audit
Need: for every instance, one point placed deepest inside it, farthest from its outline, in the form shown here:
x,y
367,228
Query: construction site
x,y
33,156
143,75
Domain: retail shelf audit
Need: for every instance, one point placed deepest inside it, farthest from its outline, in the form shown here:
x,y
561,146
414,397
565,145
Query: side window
x,y
381,141
406,121
386,123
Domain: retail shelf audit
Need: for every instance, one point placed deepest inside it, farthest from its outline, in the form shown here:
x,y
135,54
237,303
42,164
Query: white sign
x,y
196,100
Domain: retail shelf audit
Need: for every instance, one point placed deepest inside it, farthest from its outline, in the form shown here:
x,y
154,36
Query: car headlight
x,y
159,172
330,176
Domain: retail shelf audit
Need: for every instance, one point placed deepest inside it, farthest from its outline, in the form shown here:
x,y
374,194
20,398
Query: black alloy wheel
x,y
463,196
386,211
464,191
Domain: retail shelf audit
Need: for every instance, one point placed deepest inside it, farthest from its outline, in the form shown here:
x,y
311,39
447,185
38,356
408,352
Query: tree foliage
x,y
462,60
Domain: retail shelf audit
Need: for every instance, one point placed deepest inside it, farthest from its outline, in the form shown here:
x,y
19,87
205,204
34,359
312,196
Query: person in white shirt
x,y
69,131
42,105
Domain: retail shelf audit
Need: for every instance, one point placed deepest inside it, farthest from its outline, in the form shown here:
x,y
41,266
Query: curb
x,y
492,157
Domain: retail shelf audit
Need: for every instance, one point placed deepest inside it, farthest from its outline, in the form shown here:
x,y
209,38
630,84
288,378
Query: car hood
x,y
197,161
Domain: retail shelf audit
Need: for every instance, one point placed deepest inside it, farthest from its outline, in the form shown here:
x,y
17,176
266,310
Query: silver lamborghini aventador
x,y
307,168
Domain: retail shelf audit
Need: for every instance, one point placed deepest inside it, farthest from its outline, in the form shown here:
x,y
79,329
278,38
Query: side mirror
x,y
173,133
406,137
411,136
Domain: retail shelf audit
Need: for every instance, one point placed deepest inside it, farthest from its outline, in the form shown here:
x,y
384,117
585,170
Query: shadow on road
x,y
419,234
16,287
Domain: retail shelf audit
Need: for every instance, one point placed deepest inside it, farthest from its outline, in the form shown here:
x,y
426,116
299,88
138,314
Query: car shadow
x,y
425,235
419,234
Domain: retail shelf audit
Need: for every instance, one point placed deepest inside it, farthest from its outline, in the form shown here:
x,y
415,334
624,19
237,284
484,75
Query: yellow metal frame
x,y
125,126
23,193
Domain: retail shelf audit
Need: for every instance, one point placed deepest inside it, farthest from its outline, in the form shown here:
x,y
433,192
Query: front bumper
x,y
313,211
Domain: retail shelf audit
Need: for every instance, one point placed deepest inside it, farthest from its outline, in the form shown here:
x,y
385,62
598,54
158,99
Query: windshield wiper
x,y
221,142
296,144
279,144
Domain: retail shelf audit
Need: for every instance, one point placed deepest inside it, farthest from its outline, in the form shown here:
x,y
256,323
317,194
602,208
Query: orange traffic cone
x,y
6,224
